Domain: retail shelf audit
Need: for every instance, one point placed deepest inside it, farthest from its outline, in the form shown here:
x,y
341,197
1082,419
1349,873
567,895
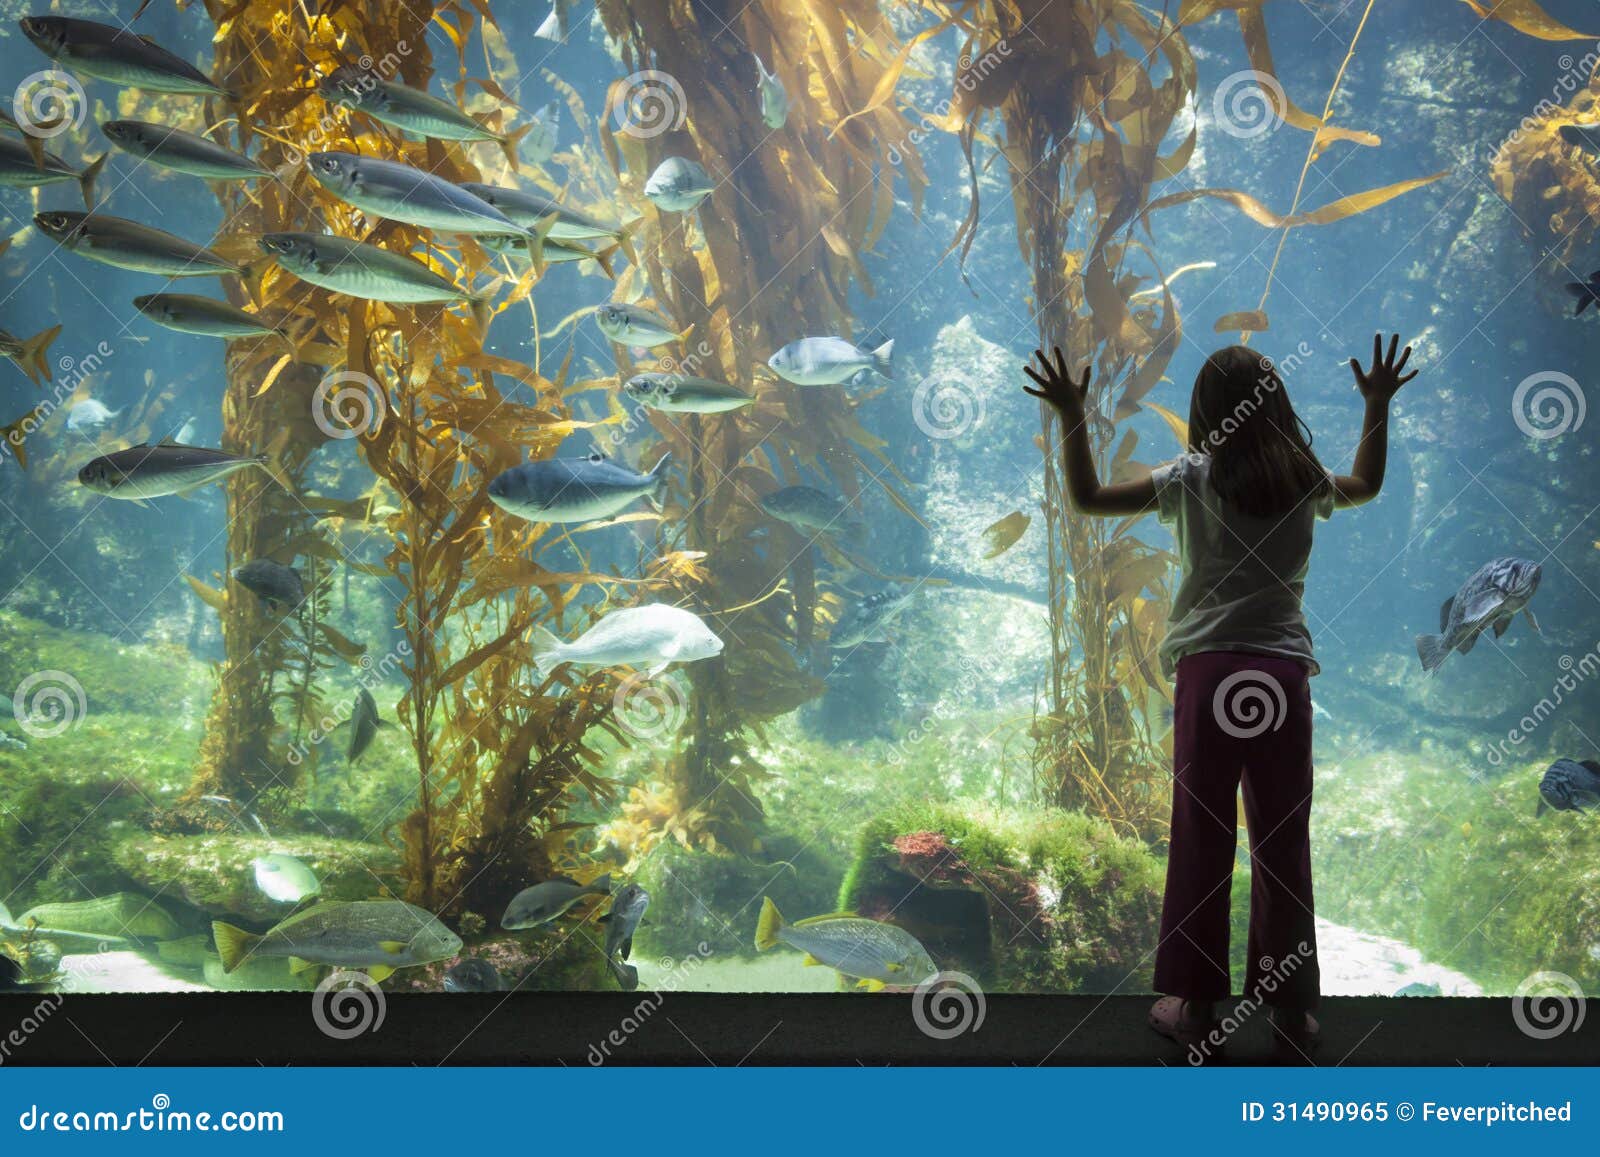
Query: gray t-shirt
x,y
1243,577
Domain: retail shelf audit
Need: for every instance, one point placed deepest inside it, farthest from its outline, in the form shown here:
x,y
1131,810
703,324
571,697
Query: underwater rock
x,y
552,959
216,874
27,961
118,916
1021,901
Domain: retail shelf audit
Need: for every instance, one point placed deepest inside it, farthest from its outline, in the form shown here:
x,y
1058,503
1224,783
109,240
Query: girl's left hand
x,y
1059,389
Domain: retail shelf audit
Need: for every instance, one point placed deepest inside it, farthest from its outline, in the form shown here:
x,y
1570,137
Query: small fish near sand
x,y
830,361
683,394
870,952
549,900
678,185
1490,598
277,586
473,975
650,637
574,489
377,936
146,471
285,879
1569,785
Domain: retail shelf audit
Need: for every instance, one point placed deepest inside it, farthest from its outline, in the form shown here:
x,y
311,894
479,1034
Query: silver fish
x,y
651,637
114,54
360,269
682,394
90,415
633,325
544,902
774,98
678,185
364,724
146,471
551,252
182,152
285,879
206,316
540,144
875,953
556,25
868,620
1490,598
377,936
20,170
627,909
829,361
411,109
130,245
574,489
403,193
531,210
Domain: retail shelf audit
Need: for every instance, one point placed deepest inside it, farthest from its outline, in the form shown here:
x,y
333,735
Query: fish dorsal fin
x,y
564,880
826,916
1444,613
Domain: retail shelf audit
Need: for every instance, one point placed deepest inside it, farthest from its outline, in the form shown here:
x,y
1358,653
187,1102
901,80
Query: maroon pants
x,y
1240,717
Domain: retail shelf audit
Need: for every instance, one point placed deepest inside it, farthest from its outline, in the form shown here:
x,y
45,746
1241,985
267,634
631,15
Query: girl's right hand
x,y
1384,379
1058,388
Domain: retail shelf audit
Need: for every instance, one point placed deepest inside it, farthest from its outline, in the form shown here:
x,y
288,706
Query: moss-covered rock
x,y
215,874
559,958
1023,901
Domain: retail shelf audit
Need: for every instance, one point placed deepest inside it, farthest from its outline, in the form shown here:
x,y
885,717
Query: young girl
x,y
1241,505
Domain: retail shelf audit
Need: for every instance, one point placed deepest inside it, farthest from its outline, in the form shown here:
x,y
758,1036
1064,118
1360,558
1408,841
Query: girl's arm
x,y
1378,385
1083,485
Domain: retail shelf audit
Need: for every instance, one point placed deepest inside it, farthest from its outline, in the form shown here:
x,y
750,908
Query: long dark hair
x,y
1261,456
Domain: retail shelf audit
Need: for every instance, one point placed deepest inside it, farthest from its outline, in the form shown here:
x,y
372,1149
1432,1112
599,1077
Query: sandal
x,y
1167,1017
1297,1043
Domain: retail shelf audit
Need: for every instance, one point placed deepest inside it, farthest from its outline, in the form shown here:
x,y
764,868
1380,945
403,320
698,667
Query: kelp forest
x,y
625,480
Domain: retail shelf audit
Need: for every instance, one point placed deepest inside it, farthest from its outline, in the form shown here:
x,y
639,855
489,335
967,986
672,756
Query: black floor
x,y
696,1029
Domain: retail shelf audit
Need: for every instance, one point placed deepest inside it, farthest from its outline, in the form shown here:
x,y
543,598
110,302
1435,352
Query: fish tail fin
x,y
508,145
625,239
554,27
1431,649
1541,809
882,359
86,179
602,258
233,944
15,436
482,312
264,460
768,925
250,275
35,356
546,651
601,885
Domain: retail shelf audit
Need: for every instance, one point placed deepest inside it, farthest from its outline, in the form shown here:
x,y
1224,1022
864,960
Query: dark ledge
x,y
693,1028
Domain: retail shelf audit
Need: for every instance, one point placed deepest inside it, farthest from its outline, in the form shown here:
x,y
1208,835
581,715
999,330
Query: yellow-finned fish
x,y
870,951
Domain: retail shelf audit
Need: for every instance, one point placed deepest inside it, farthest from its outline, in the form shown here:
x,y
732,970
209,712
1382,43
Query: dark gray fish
x,y
574,489
130,245
360,269
404,193
20,170
473,975
1587,292
544,902
627,975
206,316
808,508
182,152
1569,785
364,724
868,620
118,55
1490,598
274,584
146,471
627,909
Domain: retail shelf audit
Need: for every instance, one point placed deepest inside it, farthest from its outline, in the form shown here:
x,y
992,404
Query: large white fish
x,y
829,361
650,637
678,185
